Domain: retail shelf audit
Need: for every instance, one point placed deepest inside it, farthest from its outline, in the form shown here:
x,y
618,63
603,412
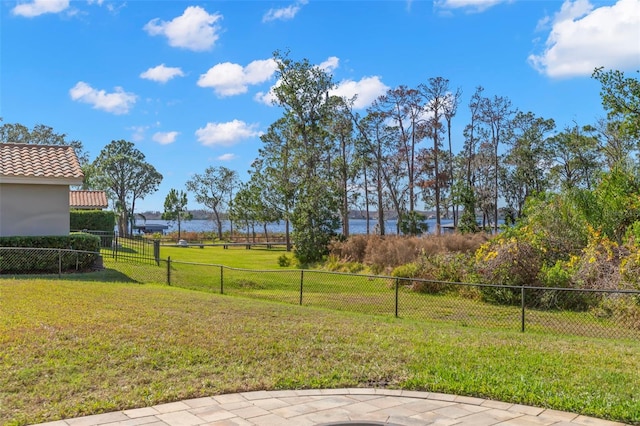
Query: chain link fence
x,y
16,260
581,312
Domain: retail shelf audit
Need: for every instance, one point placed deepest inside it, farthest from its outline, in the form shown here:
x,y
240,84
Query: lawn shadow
x,y
101,275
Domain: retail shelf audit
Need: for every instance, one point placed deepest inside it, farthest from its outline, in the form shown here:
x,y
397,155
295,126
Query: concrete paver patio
x,y
336,406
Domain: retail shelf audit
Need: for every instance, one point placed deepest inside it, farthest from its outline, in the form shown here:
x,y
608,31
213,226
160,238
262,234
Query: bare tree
x,y
496,113
435,95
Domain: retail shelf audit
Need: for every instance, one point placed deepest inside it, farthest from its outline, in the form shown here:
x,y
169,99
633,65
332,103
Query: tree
x,y
496,114
436,95
403,112
574,156
122,171
175,208
526,166
303,94
277,171
45,135
614,144
212,189
341,130
378,140
450,109
251,205
621,98
42,135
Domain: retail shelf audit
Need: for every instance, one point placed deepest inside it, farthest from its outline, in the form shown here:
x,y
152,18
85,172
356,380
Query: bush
x,y
384,253
284,260
508,262
92,220
23,261
432,274
353,249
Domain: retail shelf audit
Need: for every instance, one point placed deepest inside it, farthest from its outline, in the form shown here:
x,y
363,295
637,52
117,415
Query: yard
x,y
75,345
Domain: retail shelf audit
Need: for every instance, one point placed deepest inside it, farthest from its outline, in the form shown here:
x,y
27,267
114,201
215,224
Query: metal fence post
x,y
156,251
221,279
301,283
522,302
169,270
397,293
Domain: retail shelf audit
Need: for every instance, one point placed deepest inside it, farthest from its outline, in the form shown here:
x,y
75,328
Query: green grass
x,y
235,257
72,348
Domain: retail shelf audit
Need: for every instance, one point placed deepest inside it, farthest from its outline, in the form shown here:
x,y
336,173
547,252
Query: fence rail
x,y
582,312
134,248
19,260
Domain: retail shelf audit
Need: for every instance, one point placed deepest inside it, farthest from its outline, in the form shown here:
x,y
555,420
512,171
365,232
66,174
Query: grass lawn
x,y
235,257
71,348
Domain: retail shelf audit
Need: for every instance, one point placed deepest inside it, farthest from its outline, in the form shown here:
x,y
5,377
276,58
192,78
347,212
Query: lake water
x,y
356,226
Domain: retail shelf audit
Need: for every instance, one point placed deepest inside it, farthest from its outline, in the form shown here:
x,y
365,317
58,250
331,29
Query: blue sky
x,y
189,81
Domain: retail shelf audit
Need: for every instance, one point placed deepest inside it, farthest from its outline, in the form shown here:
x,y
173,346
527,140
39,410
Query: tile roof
x,y
88,199
22,160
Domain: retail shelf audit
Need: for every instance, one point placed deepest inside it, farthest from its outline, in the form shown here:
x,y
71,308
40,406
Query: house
x,y
34,188
88,200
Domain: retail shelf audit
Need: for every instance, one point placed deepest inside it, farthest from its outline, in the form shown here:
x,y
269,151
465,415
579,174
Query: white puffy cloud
x,y
226,134
227,157
284,13
267,98
470,5
330,64
165,138
366,90
228,79
195,29
583,38
162,73
118,102
39,7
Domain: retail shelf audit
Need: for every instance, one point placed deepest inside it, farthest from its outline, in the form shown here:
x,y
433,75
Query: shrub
x,y
389,252
22,261
353,249
384,253
92,220
284,260
508,262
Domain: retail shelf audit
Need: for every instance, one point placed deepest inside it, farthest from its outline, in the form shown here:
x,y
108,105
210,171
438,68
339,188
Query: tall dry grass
x,y
383,253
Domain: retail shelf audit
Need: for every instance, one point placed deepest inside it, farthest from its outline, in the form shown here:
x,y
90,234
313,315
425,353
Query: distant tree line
x,y
322,159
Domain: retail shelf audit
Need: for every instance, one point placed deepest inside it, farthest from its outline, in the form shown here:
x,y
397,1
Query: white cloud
x,y
583,38
229,79
267,98
470,5
40,7
161,73
367,90
118,102
330,64
165,138
195,29
226,134
284,13
227,157
138,132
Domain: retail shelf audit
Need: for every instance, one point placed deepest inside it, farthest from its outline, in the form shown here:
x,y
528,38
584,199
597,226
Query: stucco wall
x,y
34,209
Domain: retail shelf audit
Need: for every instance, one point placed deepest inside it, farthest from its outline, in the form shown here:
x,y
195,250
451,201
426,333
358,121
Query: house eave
x,y
40,180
